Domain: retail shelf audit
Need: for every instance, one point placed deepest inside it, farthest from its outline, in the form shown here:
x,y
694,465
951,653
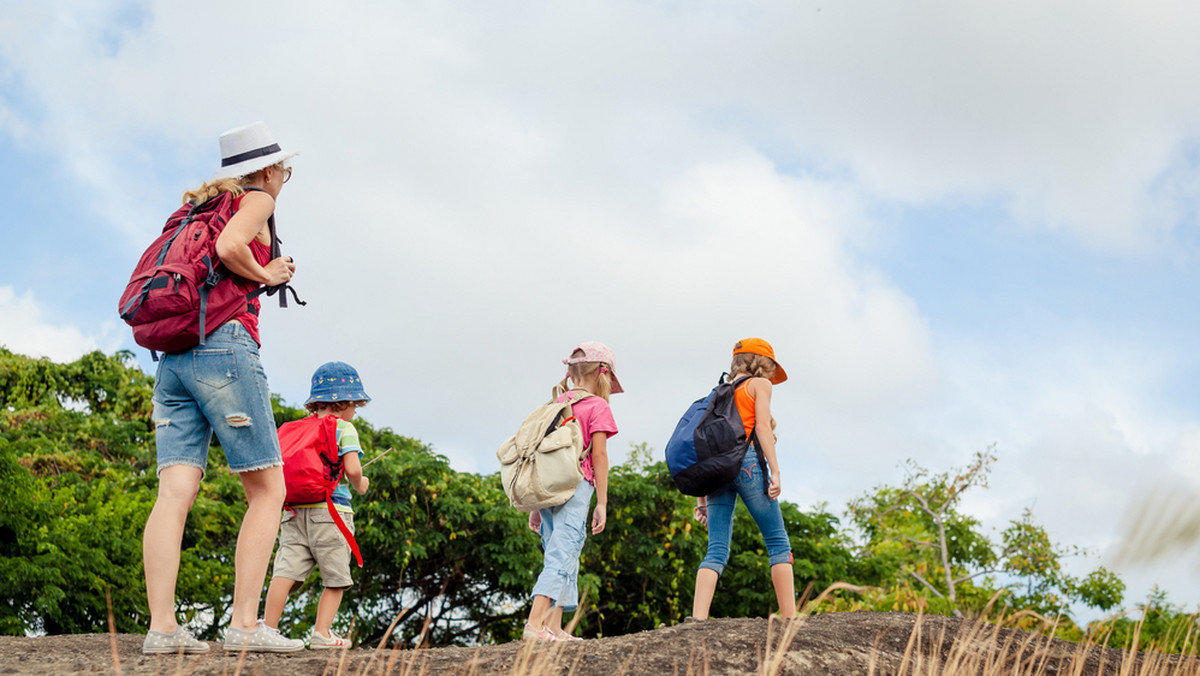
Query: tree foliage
x,y
446,559
918,539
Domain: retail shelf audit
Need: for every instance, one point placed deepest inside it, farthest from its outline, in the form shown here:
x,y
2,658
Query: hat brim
x,y
616,384
252,165
779,376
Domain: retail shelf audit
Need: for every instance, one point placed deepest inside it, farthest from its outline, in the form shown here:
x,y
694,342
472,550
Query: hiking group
x,y
195,297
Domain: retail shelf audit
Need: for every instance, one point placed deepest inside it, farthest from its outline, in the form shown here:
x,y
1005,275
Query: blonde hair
x,y
235,185
753,365
333,406
581,370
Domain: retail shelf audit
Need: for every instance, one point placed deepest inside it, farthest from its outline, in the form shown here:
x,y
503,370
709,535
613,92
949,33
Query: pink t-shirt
x,y
593,415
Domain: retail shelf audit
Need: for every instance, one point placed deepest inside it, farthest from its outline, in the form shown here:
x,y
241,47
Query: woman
x,y
220,387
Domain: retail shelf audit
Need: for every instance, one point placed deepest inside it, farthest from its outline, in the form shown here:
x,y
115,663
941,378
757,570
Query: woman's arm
x,y
760,389
600,471
233,244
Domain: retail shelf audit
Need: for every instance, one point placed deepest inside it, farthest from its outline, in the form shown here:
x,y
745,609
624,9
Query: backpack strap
x,y
275,253
762,459
337,519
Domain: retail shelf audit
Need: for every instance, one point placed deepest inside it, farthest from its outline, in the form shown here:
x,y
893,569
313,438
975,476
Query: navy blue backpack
x,y
709,443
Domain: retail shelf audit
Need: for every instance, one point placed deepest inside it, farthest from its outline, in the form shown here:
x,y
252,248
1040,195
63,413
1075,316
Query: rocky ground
x,y
835,643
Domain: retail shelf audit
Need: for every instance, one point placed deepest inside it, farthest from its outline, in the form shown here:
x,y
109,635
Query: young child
x,y
564,528
752,357
307,535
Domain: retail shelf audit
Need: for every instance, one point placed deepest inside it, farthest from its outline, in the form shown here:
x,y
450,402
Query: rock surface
x,y
834,644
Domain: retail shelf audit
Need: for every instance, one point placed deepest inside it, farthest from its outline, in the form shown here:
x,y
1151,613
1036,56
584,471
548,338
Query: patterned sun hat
x,y
336,381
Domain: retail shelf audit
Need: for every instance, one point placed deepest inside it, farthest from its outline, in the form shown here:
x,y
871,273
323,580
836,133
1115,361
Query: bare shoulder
x,y
256,201
759,386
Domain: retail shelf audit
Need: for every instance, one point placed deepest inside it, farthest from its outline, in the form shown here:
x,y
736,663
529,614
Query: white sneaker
x,y
318,642
180,640
264,639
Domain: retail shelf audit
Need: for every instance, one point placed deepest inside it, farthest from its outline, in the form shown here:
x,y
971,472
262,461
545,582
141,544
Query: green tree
x,y
915,532
76,455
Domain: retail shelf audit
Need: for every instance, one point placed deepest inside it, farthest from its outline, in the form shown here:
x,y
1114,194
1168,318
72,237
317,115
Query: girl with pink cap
x,y
564,528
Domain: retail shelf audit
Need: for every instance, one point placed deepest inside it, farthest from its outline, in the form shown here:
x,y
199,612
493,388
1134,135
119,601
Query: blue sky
x,y
959,225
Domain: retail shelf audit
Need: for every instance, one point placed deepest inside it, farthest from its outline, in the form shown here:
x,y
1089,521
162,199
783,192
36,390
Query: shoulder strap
x,y
275,253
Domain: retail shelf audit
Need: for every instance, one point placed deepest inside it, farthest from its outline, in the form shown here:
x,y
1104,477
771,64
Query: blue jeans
x,y
750,485
221,387
564,529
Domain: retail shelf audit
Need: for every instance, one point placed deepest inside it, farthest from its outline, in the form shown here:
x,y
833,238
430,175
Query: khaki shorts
x,y
311,538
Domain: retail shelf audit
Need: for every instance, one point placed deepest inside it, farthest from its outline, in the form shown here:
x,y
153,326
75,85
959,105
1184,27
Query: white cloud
x,y
24,330
480,189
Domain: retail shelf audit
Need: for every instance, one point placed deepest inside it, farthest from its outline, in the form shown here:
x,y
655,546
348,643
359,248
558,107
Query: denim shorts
x,y
219,386
564,530
765,512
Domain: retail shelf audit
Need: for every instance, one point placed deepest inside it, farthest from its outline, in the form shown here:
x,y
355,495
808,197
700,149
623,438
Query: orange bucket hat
x,y
763,348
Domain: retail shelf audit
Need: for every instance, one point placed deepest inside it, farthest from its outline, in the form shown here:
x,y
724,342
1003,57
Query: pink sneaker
x,y
544,634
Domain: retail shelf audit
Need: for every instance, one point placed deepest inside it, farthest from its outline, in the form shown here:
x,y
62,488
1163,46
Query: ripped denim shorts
x,y
219,386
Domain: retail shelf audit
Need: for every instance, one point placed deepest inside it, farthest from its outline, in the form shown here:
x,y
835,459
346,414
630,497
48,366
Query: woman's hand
x,y
700,513
535,521
280,271
599,516
775,487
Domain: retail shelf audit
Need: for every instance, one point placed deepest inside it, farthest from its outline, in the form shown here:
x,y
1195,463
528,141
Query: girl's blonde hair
x,y
217,186
577,372
753,365
335,406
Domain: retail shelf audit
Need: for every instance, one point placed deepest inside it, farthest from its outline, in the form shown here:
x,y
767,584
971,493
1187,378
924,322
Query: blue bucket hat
x,y
336,381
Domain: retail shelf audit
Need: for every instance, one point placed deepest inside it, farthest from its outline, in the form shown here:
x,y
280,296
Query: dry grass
x,y
981,646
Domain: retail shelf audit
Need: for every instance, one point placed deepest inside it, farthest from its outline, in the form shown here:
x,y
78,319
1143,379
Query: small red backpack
x,y
312,467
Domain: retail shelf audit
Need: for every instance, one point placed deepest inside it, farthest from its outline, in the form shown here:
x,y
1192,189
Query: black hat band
x,y
251,154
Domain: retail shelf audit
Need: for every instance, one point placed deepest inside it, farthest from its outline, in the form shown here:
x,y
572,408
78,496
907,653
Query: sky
x,y
959,224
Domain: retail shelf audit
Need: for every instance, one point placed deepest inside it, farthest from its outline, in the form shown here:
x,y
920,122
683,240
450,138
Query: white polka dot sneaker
x,y
264,639
181,640
332,642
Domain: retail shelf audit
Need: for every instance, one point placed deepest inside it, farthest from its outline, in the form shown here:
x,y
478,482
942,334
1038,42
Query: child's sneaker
x,y
180,640
318,642
264,639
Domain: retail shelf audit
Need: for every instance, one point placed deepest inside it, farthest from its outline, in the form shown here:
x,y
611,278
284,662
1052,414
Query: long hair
x,y
752,365
210,189
577,372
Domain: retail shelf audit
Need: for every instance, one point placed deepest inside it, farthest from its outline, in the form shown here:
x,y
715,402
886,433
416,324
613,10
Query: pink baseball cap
x,y
597,352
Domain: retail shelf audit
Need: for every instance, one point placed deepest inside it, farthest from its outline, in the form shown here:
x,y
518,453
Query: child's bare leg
x,y
327,608
785,589
706,586
538,613
163,538
264,494
554,620
277,595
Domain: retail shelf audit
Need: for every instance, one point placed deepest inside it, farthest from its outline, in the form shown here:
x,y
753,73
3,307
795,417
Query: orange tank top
x,y
745,405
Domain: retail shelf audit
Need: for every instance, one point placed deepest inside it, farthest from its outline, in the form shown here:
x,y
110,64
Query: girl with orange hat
x,y
758,486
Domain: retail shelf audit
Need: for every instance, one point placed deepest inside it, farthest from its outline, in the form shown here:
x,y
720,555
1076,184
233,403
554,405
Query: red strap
x,y
337,518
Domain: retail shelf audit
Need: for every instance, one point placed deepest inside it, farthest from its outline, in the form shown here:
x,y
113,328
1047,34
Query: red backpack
x,y
312,467
180,292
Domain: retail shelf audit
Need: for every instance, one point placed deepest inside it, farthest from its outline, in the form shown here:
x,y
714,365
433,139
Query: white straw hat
x,y
245,150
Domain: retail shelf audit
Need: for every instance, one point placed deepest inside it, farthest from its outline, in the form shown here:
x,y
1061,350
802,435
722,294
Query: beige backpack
x,y
539,465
